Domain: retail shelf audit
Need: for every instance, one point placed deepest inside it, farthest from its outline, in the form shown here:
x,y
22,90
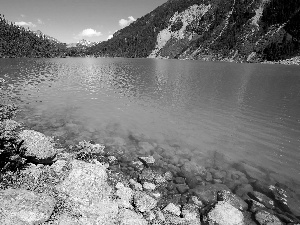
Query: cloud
x,y
109,36
123,22
40,21
89,33
28,24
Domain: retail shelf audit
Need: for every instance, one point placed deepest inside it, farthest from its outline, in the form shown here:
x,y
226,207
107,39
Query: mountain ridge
x,y
243,31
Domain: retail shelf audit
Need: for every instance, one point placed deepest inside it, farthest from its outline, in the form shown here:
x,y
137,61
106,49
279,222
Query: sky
x,y
72,20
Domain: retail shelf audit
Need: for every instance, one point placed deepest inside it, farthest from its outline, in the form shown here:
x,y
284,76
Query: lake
x,y
237,114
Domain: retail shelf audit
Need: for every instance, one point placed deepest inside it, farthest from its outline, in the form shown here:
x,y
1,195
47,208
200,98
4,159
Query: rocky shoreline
x,y
92,183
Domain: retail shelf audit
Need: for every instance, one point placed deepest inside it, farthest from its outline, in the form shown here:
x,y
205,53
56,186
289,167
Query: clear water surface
x,y
248,113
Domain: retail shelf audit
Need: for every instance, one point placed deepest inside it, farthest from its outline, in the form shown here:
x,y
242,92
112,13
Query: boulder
x,y
266,218
88,193
266,201
23,207
224,214
286,198
232,199
37,145
208,194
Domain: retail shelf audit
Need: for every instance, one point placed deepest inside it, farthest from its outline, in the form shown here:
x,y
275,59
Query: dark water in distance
x,y
247,112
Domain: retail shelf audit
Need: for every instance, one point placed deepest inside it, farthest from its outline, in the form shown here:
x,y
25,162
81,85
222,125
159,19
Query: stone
x,y
256,206
148,159
168,176
248,218
208,177
253,171
191,167
179,180
208,194
147,175
173,209
87,191
59,166
219,174
145,147
137,186
125,195
196,201
144,202
191,214
224,214
182,188
266,201
266,218
149,186
19,206
286,198
129,217
232,199
38,145
243,190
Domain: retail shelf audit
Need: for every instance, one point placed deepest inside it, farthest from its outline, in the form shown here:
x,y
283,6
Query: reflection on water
x,y
248,113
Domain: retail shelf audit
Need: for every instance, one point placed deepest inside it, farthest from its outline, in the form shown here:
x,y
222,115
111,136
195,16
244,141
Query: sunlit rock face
x,y
231,30
243,31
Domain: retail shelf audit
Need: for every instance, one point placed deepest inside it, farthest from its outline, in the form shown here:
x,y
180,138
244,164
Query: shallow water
x,y
246,113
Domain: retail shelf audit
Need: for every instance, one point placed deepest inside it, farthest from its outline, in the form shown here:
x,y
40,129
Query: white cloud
x,y
109,36
124,22
89,33
28,24
40,21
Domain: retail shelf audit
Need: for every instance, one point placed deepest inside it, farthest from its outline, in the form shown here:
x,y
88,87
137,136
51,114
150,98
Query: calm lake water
x,y
248,113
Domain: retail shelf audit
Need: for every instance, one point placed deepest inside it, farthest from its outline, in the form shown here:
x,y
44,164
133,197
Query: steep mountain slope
x,y
17,41
239,30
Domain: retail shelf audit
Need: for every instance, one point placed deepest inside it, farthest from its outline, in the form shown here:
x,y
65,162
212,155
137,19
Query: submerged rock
x,y
19,206
266,218
208,194
232,199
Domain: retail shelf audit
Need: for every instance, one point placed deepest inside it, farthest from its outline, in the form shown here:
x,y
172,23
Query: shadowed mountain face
x,y
239,30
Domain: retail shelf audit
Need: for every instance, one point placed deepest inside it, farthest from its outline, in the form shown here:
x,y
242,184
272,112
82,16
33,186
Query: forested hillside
x,y
16,41
248,30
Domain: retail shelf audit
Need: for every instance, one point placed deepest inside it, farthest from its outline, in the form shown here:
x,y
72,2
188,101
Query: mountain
x,y
41,34
231,30
82,43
